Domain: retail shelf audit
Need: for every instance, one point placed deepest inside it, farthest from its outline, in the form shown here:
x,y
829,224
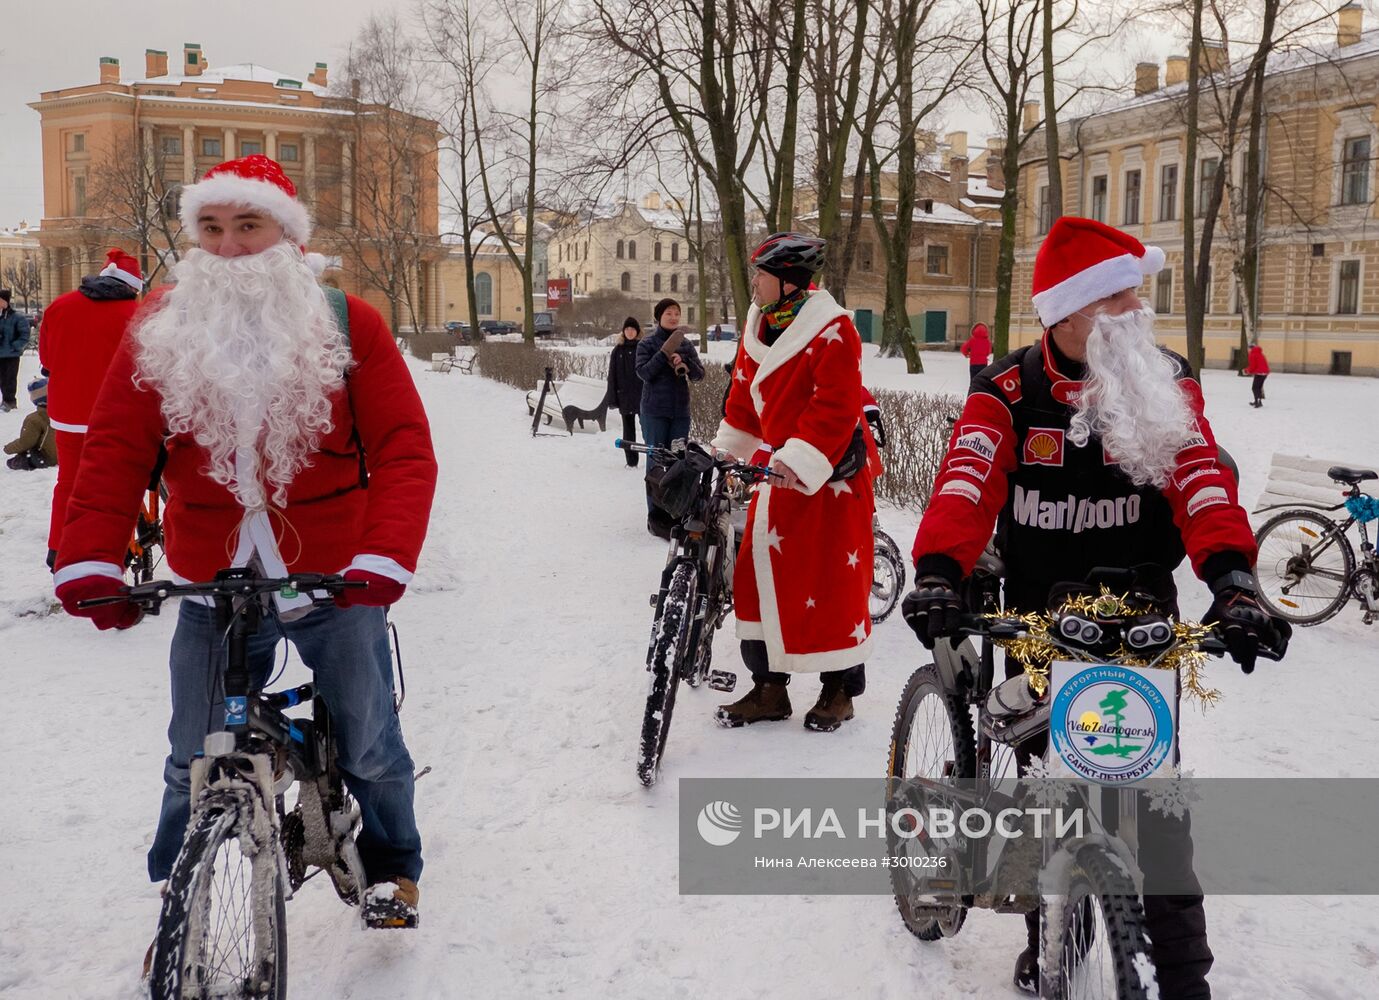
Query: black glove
x,y
932,608
1244,625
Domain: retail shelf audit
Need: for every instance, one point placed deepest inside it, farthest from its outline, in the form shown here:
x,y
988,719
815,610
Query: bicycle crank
x,y
722,680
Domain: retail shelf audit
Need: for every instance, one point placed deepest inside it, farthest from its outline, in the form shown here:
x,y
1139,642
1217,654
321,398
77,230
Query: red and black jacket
x,y
1061,510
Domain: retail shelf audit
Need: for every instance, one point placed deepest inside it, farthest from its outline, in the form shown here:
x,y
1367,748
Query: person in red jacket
x,y
1258,366
273,421
977,349
75,345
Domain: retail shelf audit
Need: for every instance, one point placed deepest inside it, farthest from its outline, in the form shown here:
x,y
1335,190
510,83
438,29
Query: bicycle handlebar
x,y
1014,628
664,453
155,592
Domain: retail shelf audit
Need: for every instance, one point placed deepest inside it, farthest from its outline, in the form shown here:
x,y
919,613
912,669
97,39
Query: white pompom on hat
x,y
1082,261
251,182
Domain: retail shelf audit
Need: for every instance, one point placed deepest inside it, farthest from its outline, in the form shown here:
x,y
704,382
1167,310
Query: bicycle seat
x,y
1341,474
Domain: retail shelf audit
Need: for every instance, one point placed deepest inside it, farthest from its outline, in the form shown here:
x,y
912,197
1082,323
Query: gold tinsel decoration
x,y
1037,652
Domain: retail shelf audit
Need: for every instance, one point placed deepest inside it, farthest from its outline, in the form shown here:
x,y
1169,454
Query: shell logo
x,y
1043,447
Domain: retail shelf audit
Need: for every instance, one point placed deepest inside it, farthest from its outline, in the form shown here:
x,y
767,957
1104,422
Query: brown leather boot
x,y
833,708
766,702
391,903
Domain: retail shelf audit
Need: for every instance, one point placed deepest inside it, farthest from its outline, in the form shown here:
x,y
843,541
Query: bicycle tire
x,y
181,966
669,648
960,763
1101,910
886,558
1280,560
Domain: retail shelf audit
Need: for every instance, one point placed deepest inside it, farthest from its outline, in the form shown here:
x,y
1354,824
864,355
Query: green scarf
x,y
781,314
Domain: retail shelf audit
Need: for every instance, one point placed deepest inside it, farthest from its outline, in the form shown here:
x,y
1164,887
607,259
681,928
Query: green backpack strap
x,y
341,306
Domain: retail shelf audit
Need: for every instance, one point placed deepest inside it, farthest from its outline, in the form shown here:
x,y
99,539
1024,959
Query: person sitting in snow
x,y
292,443
35,447
804,572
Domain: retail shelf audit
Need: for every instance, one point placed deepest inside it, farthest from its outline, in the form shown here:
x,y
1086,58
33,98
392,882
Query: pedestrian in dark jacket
x,y
14,337
666,363
1258,366
624,387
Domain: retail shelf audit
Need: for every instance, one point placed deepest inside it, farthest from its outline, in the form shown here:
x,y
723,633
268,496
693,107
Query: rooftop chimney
x,y
110,69
1029,116
1146,78
192,60
995,174
318,75
651,201
1351,19
957,144
1175,70
155,63
957,176
1213,57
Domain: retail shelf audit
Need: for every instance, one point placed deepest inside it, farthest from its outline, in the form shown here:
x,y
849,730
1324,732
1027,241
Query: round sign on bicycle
x,y
1112,725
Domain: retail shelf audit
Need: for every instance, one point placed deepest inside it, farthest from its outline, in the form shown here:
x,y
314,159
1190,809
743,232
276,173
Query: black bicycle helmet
x,y
782,252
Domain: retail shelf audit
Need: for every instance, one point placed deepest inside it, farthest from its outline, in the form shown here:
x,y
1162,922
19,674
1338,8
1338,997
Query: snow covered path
x,y
550,871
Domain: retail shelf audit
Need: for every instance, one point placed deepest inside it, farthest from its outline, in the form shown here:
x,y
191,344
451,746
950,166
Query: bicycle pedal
x,y
722,680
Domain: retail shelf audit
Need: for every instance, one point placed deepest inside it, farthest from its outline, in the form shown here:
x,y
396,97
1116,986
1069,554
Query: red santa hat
x,y
251,182
119,264
1081,261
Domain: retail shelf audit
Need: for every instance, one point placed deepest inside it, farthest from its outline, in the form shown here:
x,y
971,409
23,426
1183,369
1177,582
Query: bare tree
x,y
132,199
24,278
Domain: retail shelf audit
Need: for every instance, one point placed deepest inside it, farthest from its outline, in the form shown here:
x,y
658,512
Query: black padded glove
x,y
932,608
1246,628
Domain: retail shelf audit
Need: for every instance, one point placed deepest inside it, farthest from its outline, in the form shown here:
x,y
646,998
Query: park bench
x,y
572,400
446,362
1295,479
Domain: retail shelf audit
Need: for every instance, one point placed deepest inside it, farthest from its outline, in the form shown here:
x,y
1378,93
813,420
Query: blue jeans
x,y
347,650
659,432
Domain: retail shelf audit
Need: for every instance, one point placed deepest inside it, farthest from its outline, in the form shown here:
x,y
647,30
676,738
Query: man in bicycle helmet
x,y
804,573
1090,449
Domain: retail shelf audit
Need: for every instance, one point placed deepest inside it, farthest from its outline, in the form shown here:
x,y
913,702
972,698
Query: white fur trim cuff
x,y
807,462
223,189
1096,282
750,630
78,570
735,442
111,271
58,425
381,565
832,659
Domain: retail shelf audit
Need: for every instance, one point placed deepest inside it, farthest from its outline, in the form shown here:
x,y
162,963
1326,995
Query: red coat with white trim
x,y
804,571
330,522
1062,510
76,344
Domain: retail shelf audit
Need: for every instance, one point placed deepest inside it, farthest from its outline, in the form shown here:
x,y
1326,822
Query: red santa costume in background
x,y
80,333
263,456
804,571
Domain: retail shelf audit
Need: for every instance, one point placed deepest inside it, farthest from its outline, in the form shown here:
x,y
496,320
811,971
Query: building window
x,y
690,282
1168,192
1206,182
656,252
483,293
79,195
1099,194
1355,171
586,249
626,281
936,259
210,147
631,249
622,248
172,201
864,257
689,252
674,282
249,148
287,152
1163,292
1130,214
172,145
1348,288
79,142
1237,300
691,314
674,252
1045,211
656,283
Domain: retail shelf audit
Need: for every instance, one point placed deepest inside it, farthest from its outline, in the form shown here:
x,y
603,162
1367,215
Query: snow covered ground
x,y
550,871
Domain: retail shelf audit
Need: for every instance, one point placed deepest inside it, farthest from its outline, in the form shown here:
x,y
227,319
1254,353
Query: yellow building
x,y
115,153
19,270
497,281
1318,293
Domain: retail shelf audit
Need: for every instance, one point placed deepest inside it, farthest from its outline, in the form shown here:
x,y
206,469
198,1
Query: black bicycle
x,y
696,593
222,931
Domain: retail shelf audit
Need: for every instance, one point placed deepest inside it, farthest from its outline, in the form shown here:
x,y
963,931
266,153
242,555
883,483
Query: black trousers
x,y
974,370
629,434
1258,387
853,680
9,379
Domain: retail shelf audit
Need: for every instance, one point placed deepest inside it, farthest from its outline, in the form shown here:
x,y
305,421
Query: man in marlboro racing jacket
x,y
1087,449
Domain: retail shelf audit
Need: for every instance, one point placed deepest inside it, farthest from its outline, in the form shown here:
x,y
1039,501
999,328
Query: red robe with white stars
x,y
804,571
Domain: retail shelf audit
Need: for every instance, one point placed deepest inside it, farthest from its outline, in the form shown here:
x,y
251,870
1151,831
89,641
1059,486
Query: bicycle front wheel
x,y
887,578
1304,568
222,931
1104,952
669,650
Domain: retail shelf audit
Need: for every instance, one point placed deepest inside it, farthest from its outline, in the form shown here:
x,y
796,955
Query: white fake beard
x,y
1131,400
245,353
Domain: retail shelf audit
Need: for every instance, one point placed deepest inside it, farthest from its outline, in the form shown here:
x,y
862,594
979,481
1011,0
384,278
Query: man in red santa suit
x,y
291,446
80,333
804,572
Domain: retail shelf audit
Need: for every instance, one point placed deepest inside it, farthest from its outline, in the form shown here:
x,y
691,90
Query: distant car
x,y
544,323
722,331
496,327
459,328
